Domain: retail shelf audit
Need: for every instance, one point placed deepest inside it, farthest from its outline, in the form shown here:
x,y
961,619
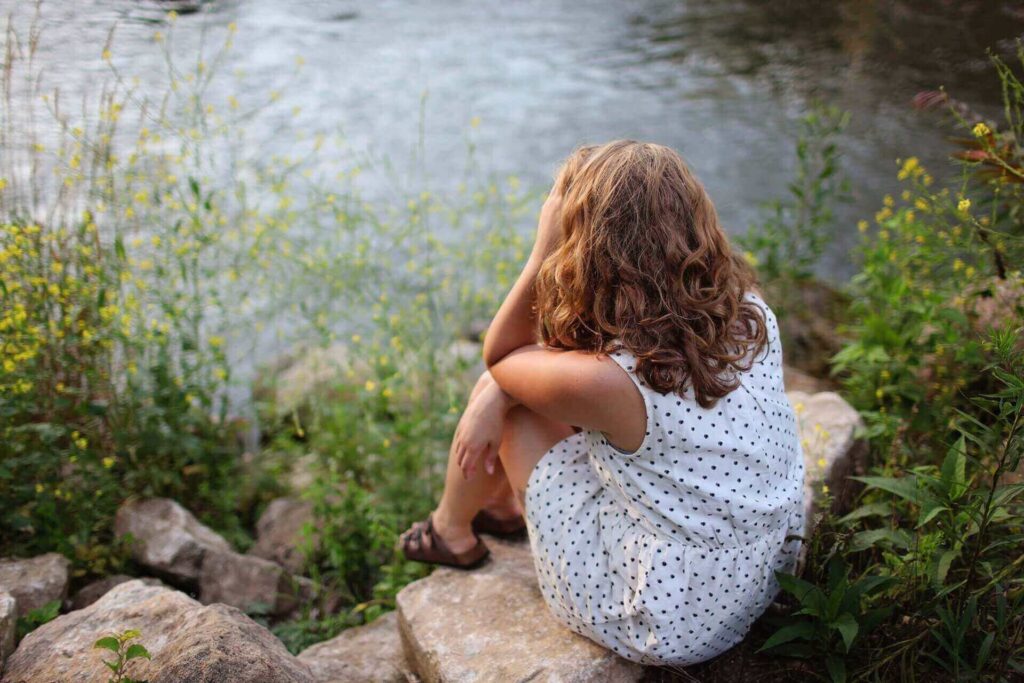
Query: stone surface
x,y
365,654
92,592
8,625
279,533
249,583
190,643
168,539
798,380
35,581
827,425
491,624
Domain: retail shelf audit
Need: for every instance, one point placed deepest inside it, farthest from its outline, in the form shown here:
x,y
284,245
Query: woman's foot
x,y
502,518
435,542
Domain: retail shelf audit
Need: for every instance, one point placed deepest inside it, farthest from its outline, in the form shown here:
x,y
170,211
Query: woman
x,y
647,438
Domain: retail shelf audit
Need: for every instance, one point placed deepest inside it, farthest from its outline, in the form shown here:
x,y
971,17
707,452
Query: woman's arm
x,y
515,322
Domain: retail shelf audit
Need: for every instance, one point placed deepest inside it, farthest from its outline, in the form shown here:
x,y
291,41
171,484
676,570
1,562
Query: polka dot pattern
x,y
666,555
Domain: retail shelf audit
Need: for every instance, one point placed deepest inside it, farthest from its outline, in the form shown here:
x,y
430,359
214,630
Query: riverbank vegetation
x,y
147,253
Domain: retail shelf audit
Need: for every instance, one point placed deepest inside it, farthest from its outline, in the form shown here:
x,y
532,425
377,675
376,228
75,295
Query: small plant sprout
x,y
124,652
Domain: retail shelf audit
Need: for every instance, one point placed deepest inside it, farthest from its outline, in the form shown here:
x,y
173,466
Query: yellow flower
x,y
958,264
39,488
750,257
216,342
821,462
799,408
106,55
82,443
824,488
964,205
474,122
108,462
970,271
370,385
862,226
980,130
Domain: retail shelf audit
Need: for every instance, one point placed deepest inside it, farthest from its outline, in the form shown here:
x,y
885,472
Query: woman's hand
x,y
549,228
478,435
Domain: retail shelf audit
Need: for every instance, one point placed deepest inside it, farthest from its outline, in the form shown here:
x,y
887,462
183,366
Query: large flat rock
x,y
190,643
491,624
35,581
365,654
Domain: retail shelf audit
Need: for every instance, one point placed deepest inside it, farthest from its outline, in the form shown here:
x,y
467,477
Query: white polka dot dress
x,y
666,555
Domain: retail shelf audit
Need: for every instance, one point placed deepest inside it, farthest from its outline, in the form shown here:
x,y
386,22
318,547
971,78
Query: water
x,y
721,81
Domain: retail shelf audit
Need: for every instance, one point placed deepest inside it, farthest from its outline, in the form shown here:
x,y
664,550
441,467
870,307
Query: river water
x,y
722,81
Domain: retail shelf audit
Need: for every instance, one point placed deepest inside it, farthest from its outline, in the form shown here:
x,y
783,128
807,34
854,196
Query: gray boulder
x,y
35,581
189,643
365,654
828,426
251,584
167,538
492,624
8,626
279,533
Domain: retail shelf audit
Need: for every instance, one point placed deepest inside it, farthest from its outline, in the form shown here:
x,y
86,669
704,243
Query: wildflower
x,y
970,271
824,488
964,205
356,338
474,122
980,130
958,264
40,488
750,257
82,443
108,462
862,226
370,385
821,462
799,408
106,55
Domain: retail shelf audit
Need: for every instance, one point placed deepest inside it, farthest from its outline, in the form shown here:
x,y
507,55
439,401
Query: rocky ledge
x,y
490,624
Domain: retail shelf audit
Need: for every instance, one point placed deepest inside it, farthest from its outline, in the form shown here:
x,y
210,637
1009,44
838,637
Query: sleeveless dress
x,y
666,555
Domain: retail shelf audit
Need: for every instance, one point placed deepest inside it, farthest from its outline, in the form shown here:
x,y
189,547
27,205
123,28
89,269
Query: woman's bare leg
x,y
526,438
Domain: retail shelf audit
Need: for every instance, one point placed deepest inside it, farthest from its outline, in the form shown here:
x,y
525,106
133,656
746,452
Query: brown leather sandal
x,y
486,523
414,548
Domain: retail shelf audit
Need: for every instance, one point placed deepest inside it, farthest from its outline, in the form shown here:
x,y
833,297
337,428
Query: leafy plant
x,y
829,619
36,618
125,652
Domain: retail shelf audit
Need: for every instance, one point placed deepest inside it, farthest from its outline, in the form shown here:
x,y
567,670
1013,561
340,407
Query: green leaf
x,y
836,669
863,540
109,643
136,651
847,626
928,513
904,487
954,477
869,510
940,568
798,588
802,630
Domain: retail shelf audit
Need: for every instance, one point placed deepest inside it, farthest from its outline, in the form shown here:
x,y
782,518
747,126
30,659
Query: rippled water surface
x,y
721,81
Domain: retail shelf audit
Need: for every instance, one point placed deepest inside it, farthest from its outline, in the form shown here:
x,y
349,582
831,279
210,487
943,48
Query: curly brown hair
x,y
644,265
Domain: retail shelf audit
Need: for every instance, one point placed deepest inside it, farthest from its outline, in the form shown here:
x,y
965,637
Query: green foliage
x,y
124,652
36,618
829,619
788,243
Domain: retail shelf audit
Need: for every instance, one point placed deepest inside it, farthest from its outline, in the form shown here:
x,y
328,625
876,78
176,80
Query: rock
x,y
279,533
492,624
189,643
365,654
36,581
832,452
97,589
8,625
167,538
798,380
251,584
